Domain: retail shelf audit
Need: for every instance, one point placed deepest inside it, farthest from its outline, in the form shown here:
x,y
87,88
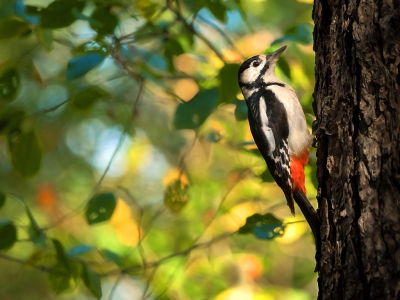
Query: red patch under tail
x,y
297,164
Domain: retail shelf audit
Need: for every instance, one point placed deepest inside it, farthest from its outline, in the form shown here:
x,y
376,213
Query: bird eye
x,y
256,64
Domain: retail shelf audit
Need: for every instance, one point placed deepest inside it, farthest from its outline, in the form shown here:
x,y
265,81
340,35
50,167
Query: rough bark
x,y
357,104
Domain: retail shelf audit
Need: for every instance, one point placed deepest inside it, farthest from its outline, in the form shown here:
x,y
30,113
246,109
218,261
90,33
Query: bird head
x,y
258,67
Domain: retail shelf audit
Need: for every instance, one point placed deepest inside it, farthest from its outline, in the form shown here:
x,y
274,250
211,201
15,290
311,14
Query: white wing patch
x,y
264,126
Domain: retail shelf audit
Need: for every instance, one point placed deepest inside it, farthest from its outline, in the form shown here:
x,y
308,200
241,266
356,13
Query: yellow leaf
x,y
237,293
126,228
186,89
176,197
292,231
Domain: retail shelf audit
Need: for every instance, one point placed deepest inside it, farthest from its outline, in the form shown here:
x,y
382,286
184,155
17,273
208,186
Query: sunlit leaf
x,y
91,280
59,13
26,153
192,114
9,85
100,208
2,199
62,257
106,21
8,234
10,120
264,227
228,88
45,37
81,65
80,249
147,8
13,27
86,99
241,111
176,196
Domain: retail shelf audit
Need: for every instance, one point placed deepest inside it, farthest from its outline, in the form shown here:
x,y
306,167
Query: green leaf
x,y
13,27
8,234
86,99
80,65
192,114
100,208
32,10
9,85
106,21
36,233
284,66
62,258
2,199
267,177
218,9
241,111
194,6
112,256
266,227
172,48
45,37
228,76
26,154
59,13
10,120
60,279
176,196
91,280
147,8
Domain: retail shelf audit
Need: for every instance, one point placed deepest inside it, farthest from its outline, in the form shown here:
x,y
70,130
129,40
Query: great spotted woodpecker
x,y
279,129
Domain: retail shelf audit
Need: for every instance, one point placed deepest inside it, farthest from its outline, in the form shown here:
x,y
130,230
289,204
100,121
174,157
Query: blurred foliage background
x,y
126,162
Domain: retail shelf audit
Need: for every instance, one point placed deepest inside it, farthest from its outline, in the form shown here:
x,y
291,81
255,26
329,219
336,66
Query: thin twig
x,y
221,32
191,28
114,288
100,181
148,282
168,257
26,263
229,190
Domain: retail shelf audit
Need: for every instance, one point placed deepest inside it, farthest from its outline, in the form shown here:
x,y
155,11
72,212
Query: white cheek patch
x,y
251,74
269,135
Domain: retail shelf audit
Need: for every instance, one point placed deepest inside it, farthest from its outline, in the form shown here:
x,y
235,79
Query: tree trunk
x,y
357,105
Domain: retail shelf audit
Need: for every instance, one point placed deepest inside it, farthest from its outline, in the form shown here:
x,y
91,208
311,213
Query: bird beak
x,y
274,56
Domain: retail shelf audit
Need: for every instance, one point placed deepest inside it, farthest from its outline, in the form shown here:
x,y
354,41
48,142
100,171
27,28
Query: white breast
x,y
299,136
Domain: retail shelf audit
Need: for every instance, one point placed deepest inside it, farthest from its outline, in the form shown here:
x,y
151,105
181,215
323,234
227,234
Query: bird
x,y
278,125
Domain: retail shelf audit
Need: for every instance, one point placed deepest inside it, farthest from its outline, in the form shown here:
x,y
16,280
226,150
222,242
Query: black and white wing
x,y
270,129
